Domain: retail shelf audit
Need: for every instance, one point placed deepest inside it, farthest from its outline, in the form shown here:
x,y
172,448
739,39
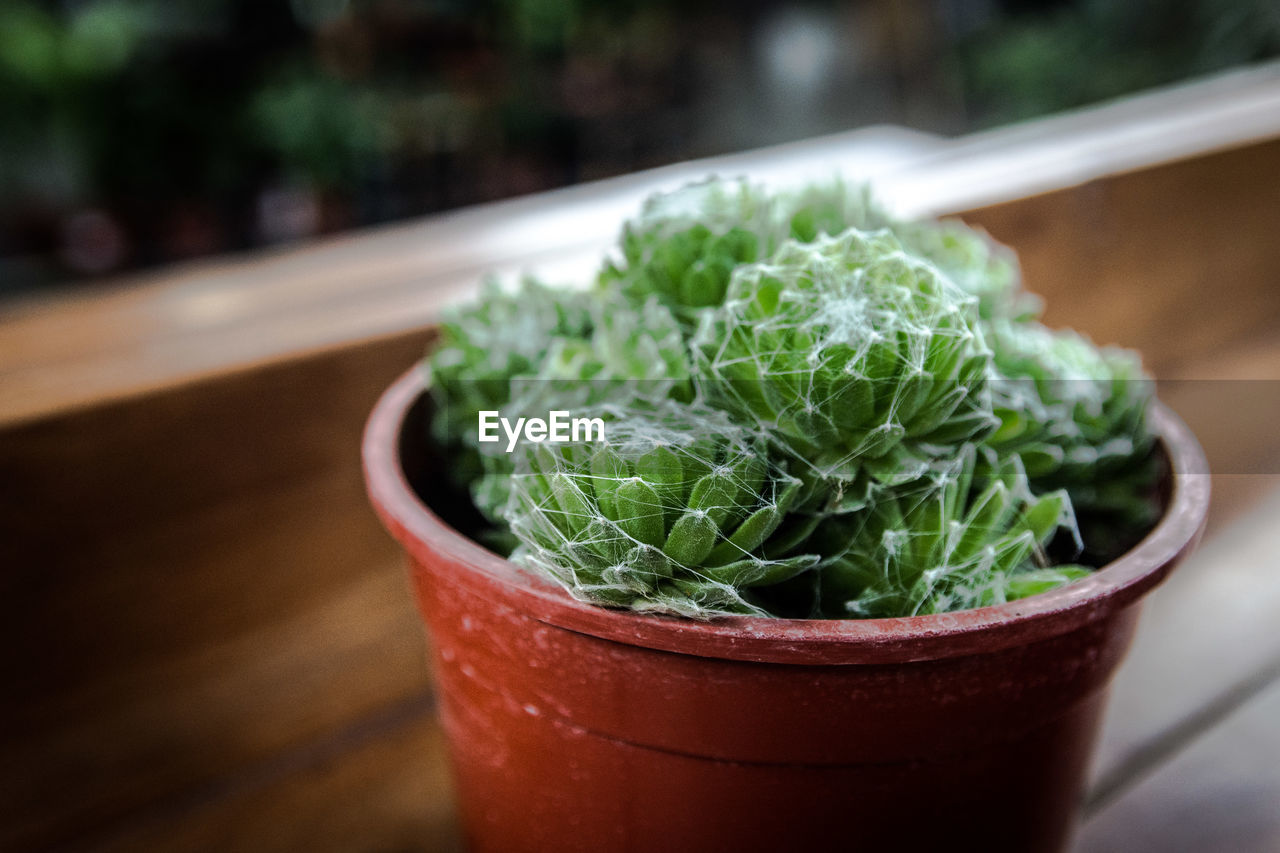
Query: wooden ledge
x,y
143,333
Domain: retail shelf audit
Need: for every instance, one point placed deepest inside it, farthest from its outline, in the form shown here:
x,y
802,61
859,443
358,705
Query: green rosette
x,y
861,361
632,351
968,256
503,335
945,542
685,245
526,351
673,512
1075,414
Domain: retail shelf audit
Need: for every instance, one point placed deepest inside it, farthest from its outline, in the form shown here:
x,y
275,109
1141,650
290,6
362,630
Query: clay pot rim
x,y
795,641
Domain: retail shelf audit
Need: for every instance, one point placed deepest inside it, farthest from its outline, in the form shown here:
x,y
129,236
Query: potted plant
x,y
839,551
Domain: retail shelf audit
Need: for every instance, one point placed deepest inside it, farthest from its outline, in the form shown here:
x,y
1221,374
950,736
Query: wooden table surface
x,y
208,642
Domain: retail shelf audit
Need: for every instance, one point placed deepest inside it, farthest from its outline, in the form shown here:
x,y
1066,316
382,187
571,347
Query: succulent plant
x,y
861,361
537,348
1075,414
501,335
803,418
685,244
971,259
482,347
640,347
945,542
673,512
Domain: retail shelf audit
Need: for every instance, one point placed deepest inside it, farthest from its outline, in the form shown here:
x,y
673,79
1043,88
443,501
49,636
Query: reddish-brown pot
x,y
574,727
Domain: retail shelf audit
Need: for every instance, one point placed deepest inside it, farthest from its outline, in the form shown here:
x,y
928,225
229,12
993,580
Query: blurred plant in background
x,y
135,132
1093,50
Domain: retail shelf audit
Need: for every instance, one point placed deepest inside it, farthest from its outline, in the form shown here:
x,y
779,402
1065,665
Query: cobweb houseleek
x,y
673,513
685,244
482,346
861,361
814,408
945,542
1075,413
536,348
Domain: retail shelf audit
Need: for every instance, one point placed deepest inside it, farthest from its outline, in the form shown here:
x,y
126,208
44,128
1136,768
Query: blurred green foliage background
x,y
135,132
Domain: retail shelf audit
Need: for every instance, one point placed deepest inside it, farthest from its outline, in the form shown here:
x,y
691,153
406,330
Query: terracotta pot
x,y
573,727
